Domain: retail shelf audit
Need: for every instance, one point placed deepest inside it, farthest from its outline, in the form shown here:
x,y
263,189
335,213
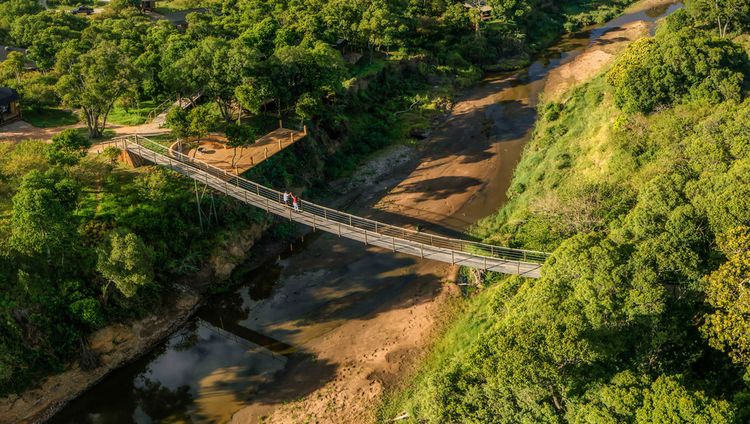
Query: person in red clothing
x,y
295,203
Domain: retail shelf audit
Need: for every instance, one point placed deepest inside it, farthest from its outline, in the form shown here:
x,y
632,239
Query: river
x,y
295,324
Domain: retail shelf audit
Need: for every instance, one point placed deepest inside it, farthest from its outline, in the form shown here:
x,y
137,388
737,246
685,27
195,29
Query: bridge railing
x,y
332,215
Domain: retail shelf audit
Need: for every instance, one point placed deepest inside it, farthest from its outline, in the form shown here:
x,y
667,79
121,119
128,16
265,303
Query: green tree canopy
x,y
660,71
93,80
728,293
40,222
724,15
127,262
68,147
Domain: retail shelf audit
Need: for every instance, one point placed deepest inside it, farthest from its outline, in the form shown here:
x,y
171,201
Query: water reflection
x,y
201,374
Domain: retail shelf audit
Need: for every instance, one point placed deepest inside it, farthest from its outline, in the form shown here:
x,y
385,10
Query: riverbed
x,y
319,333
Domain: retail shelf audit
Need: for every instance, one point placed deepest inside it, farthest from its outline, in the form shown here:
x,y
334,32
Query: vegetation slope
x,y
639,183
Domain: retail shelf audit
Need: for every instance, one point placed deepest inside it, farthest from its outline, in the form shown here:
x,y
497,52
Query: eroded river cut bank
x,y
318,334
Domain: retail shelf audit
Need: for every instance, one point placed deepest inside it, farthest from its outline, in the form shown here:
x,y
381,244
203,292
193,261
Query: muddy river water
x,y
254,347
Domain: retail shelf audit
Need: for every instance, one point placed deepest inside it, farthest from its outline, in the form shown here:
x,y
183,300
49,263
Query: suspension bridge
x,y
370,232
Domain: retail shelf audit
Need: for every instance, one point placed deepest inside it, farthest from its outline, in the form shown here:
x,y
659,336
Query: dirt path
x,y
22,130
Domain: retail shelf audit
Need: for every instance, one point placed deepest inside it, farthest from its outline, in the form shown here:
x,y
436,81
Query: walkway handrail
x,y
158,110
271,195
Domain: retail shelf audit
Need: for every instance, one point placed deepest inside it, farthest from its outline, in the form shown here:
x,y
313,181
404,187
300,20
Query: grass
x,y
165,140
575,138
164,7
265,123
132,116
49,118
365,68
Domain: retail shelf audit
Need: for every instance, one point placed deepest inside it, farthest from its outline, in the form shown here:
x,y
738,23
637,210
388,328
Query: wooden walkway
x,y
213,151
398,239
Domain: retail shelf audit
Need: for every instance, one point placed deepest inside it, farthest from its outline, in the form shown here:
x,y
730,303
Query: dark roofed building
x,y
148,5
6,50
9,108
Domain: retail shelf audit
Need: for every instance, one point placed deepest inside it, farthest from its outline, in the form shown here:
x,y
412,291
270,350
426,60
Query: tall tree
x,y
725,14
11,69
239,136
728,293
126,262
68,147
93,80
41,218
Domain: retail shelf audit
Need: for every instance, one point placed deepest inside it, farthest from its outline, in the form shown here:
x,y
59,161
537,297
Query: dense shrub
x,y
660,71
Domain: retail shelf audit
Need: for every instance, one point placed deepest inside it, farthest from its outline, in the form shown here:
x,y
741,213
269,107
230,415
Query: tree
x,y
668,401
11,69
93,80
254,93
381,25
307,106
119,5
38,90
177,120
216,67
660,71
68,147
342,18
125,261
45,34
239,136
12,10
722,13
41,218
728,293
630,398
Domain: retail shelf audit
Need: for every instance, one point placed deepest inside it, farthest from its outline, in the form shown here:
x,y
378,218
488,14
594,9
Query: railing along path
x,y
424,245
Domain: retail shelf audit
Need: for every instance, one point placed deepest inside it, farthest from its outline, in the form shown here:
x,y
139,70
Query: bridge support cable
x,y
370,232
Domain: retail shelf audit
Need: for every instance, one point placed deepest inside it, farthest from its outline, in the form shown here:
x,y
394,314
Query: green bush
x,y
657,72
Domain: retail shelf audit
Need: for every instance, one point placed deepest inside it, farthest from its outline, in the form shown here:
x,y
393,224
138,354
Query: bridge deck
x,y
428,246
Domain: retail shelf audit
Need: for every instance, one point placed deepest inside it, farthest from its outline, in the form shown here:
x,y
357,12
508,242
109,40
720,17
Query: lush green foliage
x,y
71,227
625,323
241,53
727,291
657,72
67,147
725,17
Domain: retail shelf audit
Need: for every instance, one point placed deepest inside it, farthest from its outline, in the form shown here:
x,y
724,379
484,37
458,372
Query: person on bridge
x,y
295,203
286,198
